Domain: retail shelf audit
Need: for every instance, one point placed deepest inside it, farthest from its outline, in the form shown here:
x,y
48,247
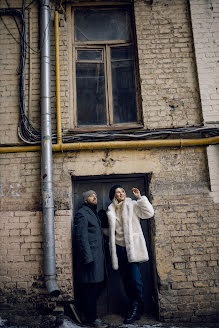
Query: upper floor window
x,y
105,71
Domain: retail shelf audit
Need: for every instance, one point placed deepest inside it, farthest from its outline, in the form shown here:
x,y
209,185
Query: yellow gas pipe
x,y
139,144
136,144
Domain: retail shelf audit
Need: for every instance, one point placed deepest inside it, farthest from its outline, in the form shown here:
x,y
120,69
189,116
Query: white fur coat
x,y
134,239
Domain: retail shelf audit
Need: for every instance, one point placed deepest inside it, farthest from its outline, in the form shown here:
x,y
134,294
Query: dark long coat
x,y
88,244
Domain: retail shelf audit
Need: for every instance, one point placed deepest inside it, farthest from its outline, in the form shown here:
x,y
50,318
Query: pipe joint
x,y
44,3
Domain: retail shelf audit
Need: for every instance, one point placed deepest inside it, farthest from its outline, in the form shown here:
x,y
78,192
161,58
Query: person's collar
x,y
92,206
118,204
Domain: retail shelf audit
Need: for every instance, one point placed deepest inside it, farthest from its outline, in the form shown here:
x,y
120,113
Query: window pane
x,y
89,54
90,84
124,94
102,25
119,53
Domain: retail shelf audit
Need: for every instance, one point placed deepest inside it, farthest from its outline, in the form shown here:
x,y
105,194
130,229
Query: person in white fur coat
x,y
127,243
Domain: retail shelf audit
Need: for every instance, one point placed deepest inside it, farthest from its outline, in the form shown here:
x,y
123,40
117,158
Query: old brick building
x,y
157,63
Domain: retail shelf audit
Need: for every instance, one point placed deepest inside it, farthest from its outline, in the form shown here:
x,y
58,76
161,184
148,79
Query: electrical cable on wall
x,y
189,132
25,130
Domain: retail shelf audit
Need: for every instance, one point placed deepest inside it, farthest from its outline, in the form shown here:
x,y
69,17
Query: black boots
x,y
135,312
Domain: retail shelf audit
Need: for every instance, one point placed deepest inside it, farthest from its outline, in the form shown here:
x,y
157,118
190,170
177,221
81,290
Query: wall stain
x,y
11,190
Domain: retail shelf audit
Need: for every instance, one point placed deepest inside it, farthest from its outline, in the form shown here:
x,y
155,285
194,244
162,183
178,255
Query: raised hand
x,y
136,193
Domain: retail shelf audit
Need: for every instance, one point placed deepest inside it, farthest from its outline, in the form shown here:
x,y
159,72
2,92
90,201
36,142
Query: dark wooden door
x,y
113,298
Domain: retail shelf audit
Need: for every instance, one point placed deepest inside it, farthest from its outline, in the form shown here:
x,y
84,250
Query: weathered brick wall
x,y
168,71
21,232
9,68
213,160
187,257
65,73
21,248
185,224
166,58
167,64
205,25
21,242
20,181
9,63
34,55
185,234
33,64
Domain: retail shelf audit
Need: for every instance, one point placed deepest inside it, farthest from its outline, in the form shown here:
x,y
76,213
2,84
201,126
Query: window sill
x,y
94,128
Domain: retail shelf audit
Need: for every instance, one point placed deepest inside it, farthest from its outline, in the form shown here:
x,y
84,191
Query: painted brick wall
x,y
9,68
167,64
21,231
205,25
33,67
21,242
187,257
185,226
33,60
9,64
213,165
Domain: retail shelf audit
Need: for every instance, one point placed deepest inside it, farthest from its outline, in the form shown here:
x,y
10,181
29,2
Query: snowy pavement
x,y
67,323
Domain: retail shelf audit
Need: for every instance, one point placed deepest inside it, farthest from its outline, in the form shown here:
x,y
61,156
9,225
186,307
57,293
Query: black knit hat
x,y
112,191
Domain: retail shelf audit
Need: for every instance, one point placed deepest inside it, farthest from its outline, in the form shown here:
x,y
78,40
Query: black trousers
x,y
88,295
131,276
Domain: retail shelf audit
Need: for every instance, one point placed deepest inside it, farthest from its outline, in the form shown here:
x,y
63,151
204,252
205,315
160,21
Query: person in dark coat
x,y
88,241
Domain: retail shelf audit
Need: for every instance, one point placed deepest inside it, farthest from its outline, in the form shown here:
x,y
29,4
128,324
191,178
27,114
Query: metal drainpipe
x,y
46,152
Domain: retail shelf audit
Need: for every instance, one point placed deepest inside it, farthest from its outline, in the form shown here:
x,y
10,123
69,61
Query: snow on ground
x,y
68,324
65,323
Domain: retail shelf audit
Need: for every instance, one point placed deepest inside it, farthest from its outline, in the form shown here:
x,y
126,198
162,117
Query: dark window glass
x,y
104,68
123,84
102,25
124,94
90,84
89,54
121,53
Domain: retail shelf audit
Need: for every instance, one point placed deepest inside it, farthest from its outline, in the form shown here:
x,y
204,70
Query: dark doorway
x,y
113,299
